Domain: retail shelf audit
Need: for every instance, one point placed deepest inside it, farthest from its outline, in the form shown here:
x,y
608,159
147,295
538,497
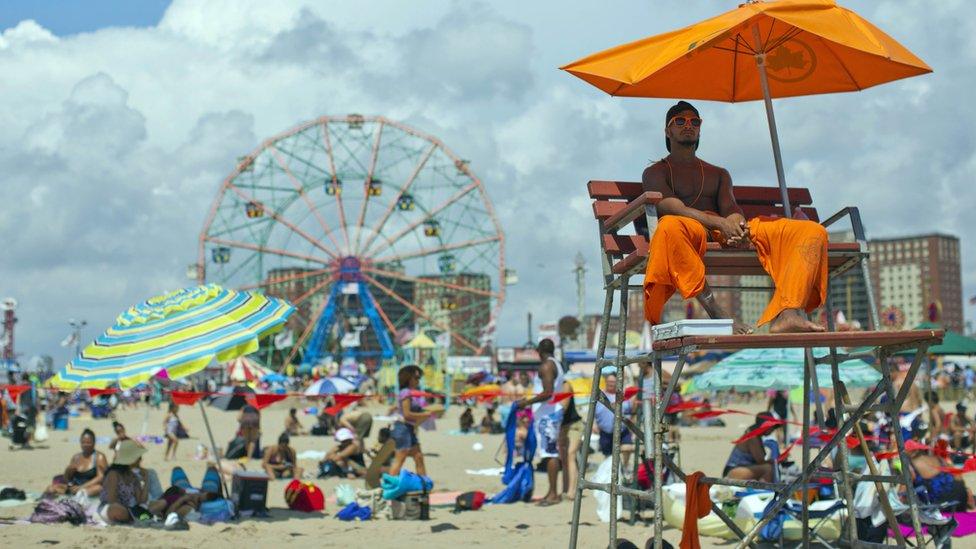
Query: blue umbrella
x,y
332,386
274,377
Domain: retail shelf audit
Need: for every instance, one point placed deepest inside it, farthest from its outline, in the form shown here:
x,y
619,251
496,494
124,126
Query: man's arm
x,y
655,181
730,210
547,374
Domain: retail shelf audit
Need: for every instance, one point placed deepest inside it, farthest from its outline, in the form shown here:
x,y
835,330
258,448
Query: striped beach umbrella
x,y
761,369
245,369
332,386
179,332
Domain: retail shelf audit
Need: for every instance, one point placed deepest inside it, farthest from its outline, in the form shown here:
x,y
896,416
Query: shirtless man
x,y
698,203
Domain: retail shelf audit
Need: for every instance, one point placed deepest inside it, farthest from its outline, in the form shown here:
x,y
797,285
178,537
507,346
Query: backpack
x,y
53,511
304,496
469,501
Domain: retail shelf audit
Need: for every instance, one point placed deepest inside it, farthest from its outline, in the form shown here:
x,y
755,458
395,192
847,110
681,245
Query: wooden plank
x,y
616,190
745,194
805,340
623,244
604,209
769,210
631,211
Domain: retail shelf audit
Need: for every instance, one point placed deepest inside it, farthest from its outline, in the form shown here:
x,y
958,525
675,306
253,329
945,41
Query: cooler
x,y
250,490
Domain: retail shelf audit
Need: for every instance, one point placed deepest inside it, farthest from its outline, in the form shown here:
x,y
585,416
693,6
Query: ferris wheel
x,y
375,231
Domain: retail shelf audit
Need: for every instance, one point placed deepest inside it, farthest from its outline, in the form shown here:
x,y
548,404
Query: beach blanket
x,y
490,472
967,525
518,479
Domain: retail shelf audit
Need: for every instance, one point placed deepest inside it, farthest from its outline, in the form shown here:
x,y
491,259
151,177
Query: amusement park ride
x,y
373,230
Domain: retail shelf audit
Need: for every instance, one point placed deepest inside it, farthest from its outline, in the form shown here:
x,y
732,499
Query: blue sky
x,y
66,17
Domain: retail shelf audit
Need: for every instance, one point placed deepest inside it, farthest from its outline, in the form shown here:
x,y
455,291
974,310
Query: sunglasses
x,y
682,120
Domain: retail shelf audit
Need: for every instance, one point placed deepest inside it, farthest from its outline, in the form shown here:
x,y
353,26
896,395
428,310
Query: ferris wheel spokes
x,y
396,199
421,313
301,192
283,279
308,328
335,181
368,182
430,281
264,249
311,291
275,216
429,216
431,251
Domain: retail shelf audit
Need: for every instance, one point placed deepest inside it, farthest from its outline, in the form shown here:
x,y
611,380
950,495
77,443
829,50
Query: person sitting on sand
x,y
942,487
748,458
698,204
281,461
123,490
410,414
85,471
466,420
962,428
292,426
358,420
172,429
345,458
120,435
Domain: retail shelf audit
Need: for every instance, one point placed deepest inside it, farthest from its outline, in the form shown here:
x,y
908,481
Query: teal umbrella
x,y
762,369
952,343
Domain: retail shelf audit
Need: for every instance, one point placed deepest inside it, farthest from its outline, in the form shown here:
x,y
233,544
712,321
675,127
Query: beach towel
x,y
354,511
697,505
518,479
408,481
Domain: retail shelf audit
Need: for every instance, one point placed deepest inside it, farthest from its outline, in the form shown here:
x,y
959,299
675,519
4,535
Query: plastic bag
x,y
40,434
345,494
602,475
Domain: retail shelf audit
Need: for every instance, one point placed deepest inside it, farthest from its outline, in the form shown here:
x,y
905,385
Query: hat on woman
x,y
128,452
344,434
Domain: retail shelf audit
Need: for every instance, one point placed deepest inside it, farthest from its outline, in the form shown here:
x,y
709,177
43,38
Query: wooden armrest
x,y
634,209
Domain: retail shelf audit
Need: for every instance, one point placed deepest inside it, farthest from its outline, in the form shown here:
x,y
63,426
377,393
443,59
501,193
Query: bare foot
x,y
791,321
547,501
740,328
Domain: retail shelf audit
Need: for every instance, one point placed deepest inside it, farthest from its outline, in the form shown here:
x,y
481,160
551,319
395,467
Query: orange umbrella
x,y
800,47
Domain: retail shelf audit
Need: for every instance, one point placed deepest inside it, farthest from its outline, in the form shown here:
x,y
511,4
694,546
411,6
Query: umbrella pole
x,y
771,119
213,447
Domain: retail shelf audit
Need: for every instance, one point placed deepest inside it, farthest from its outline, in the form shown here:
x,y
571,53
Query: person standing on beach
x,y
172,426
697,205
547,416
410,413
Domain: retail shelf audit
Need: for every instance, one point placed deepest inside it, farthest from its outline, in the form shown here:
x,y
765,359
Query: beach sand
x,y
513,526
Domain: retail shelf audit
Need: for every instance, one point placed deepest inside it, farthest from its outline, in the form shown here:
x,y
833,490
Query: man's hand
x,y
731,232
743,238
519,404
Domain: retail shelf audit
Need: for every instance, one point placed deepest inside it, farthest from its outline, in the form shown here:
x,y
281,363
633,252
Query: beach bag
x,y
469,501
217,510
40,434
304,496
19,430
412,506
372,499
54,511
344,494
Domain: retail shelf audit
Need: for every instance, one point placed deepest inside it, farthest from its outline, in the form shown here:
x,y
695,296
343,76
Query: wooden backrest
x,y
612,196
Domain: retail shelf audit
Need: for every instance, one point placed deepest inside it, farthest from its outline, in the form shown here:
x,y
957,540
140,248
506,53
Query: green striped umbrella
x,y
179,332
762,369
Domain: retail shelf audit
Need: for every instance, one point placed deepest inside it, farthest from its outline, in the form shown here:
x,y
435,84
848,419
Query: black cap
x,y
678,107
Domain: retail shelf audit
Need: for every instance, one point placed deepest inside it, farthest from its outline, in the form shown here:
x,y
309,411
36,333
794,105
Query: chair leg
x,y
617,410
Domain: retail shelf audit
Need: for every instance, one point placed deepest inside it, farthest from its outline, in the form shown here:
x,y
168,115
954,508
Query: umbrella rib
x,y
842,65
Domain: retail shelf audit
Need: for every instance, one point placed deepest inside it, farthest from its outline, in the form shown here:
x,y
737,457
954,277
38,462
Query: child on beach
x,y
410,413
172,426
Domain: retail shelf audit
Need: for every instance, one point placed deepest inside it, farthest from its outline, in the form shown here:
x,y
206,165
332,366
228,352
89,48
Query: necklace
x,y
701,187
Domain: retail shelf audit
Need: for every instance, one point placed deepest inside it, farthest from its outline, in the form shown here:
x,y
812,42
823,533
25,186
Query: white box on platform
x,y
692,327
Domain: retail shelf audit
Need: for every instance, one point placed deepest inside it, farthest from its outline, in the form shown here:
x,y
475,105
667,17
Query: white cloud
x,y
115,141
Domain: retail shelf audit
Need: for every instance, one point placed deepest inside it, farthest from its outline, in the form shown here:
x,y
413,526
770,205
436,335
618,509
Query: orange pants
x,y
793,252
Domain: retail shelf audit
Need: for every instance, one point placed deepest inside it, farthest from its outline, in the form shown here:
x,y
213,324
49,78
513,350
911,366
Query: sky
x,y
120,120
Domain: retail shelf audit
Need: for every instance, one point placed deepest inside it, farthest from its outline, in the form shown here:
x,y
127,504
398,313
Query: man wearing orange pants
x,y
698,204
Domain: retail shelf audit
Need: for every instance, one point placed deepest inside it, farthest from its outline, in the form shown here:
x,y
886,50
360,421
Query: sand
x,y
513,526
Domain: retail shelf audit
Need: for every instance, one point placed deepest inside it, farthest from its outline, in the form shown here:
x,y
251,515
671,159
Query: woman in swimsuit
x,y
172,426
85,471
748,459
280,461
